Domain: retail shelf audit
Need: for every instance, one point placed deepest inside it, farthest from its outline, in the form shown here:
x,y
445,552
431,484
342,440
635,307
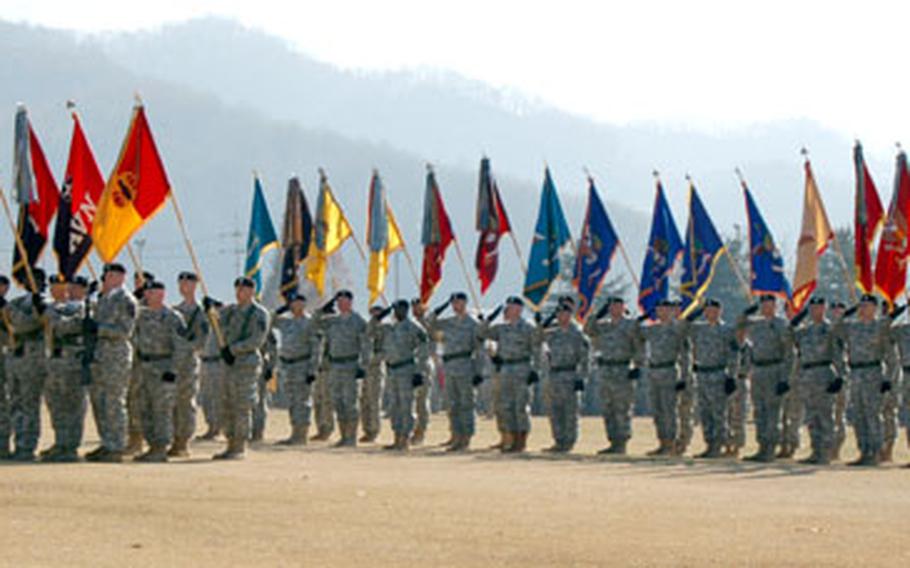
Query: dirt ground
x,y
317,506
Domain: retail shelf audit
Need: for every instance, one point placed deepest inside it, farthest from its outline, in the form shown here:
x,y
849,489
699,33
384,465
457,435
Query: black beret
x,y
712,303
838,305
345,294
154,285
458,296
615,300
114,267
80,281
244,281
767,298
564,307
666,303
187,275
816,301
515,301
868,299
294,296
58,279
401,304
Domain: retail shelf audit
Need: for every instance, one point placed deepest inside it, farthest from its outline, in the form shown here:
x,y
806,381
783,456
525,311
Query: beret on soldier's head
x,y
868,299
514,301
295,296
345,294
245,282
4,279
838,305
401,304
712,303
817,301
58,279
459,296
767,298
666,303
154,285
564,307
80,281
187,275
566,299
615,300
114,267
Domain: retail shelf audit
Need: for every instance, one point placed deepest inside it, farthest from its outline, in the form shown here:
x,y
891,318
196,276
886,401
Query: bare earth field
x,y
317,506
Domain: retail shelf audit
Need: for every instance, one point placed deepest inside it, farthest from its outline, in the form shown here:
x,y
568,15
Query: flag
x,y
136,189
702,249
766,262
596,248
551,233
37,195
436,237
82,187
261,238
664,247
330,232
383,237
868,219
891,263
295,236
492,223
814,236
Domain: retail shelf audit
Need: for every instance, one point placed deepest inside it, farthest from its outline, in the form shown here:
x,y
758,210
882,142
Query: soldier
x,y
298,352
27,367
818,373
210,378
323,412
461,355
666,342
714,349
260,410
840,398
516,362
245,326
371,389
422,392
618,355
685,406
113,323
870,356
568,357
160,330
6,341
348,352
771,346
187,364
900,334
64,391
134,413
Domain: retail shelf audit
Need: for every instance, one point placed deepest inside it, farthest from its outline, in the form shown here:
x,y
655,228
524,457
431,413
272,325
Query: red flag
x,y
436,237
891,264
868,218
492,223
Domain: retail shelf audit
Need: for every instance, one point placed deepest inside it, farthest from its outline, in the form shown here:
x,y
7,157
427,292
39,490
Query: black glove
x,y
477,380
417,380
886,386
538,317
782,388
359,373
729,385
2,302
282,309
695,314
494,314
680,386
799,317
329,307
227,356
750,310
89,326
549,320
836,386
602,311
897,311
169,377
210,303
437,311
578,385
851,310
92,287
642,317
383,314
497,360
267,374
533,377
310,379
38,303
634,374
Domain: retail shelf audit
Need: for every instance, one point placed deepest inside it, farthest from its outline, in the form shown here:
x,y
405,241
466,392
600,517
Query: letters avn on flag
x,y
261,238
702,249
551,233
331,230
596,248
868,219
436,237
37,195
492,223
136,189
296,236
664,247
766,262
383,237
814,236
891,263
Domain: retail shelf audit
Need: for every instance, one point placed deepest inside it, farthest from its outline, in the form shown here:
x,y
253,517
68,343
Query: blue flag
x,y
262,236
596,248
550,235
767,263
702,250
664,247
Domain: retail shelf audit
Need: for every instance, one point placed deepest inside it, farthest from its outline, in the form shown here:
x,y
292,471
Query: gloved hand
x,y
680,386
310,379
267,374
169,377
751,310
89,326
417,380
533,377
634,374
602,312
497,360
494,314
798,318
578,385
38,303
92,287
383,314
359,373
210,303
329,307
642,318
227,356
886,386
3,302
477,380
437,311
729,385
836,386
282,309
538,317
782,388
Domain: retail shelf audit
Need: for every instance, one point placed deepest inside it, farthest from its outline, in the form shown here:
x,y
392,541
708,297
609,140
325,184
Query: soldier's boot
x,y
402,445
521,443
458,443
133,444
886,455
110,456
368,437
765,454
786,451
664,449
23,455
298,437
210,434
867,459
712,452
49,452
508,440
179,449
348,435
95,454
501,443
835,451
732,452
257,436
417,436
616,448
322,434
65,455
4,452
155,454
223,455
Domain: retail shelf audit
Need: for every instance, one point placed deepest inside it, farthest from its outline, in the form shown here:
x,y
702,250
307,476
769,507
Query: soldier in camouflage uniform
x,y
133,410
422,393
348,351
685,407
323,412
210,378
187,364
461,353
372,385
260,411
568,356
26,368
714,351
771,345
737,402
6,340
112,323
900,335
516,362
298,352
666,342
244,326
160,330
870,356
840,398
64,392
617,346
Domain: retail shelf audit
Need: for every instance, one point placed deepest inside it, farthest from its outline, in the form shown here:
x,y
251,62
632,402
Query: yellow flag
x,y
331,231
379,259
814,237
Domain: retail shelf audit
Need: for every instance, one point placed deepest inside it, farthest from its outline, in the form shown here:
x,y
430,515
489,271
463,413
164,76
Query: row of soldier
x,y
139,362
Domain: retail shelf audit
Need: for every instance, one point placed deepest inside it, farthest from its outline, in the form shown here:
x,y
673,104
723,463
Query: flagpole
x,y
521,259
625,257
467,276
413,270
137,266
23,255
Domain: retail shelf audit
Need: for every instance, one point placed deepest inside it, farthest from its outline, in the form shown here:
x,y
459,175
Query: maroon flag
x,y
492,223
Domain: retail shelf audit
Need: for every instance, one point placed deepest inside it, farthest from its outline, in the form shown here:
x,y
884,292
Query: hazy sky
x,y
699,62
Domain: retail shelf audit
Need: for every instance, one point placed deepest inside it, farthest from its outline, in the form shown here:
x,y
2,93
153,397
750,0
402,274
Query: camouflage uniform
x,y
188,366
157,339
348,351
685,406
371,389
568,365
298,351
665,343
323,412
26,372
617,347
260,412
405,353
819,361
5,339
737,403
901,336
115,314
210,383
461,363
517,346
64,392
714,349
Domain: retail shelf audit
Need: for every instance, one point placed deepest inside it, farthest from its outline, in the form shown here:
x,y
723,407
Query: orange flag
x,y
814,237
891,263
135,192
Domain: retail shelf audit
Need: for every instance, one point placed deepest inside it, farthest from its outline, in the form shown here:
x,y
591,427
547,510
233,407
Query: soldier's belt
x,y
460,355
152,357
345,359
709,368
906,368
399,364
612,362
292,360
663,365
767,362
522,360
29,335
563,368
815,365
865,365
211,358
